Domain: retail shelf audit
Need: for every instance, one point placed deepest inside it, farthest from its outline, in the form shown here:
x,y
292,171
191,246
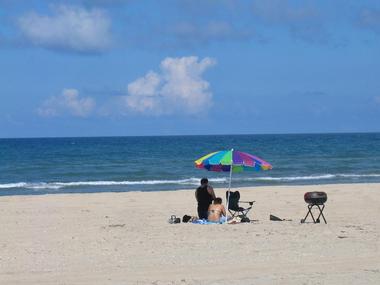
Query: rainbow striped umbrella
x,y
223,160
231,161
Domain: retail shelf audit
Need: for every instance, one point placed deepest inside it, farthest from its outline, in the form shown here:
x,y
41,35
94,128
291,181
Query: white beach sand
x,y
124,238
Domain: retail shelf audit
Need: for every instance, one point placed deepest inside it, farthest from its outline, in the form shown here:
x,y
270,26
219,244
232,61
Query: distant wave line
x,y
190,181
311,177
58,185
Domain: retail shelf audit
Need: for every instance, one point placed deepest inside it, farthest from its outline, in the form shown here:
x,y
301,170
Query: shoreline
x,y
124,237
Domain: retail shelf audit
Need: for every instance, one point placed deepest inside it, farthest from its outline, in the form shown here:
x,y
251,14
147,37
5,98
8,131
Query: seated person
x,y
216,211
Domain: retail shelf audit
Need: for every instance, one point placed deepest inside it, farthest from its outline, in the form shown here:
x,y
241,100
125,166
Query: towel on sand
x,y
205,222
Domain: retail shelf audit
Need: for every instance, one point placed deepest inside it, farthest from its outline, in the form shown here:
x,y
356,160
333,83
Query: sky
x,y
129,67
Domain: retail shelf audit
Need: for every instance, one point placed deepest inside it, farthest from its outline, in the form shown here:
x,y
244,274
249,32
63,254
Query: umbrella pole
x,y
229,185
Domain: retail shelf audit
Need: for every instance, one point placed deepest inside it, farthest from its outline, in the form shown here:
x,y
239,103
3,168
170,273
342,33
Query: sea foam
x,y
189,181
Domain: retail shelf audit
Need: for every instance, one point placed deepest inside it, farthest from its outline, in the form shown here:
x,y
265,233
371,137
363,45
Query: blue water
x,y
63,165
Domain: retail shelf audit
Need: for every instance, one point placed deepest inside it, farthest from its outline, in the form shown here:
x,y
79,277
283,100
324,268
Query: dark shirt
x,y
204,198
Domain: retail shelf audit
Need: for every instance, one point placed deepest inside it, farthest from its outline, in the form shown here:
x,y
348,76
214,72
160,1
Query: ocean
x,y
119,164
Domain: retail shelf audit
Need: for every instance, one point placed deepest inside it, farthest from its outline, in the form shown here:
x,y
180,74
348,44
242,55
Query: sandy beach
x,y
124,238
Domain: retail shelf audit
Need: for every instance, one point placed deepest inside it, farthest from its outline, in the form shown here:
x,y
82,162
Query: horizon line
x,y
193,135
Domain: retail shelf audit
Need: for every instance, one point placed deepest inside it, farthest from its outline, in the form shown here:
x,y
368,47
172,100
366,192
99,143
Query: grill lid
x,y
316,198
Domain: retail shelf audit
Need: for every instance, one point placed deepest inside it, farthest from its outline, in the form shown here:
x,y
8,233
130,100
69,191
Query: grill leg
x,y
311,213
321,213
309,207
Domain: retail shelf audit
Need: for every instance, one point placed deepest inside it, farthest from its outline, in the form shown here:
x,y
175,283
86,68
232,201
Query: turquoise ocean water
x,y
114,164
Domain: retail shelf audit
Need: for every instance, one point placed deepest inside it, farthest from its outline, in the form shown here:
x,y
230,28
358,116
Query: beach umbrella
x,y
231,161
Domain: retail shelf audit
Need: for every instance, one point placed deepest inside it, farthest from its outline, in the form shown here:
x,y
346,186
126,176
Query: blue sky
x,y
93,68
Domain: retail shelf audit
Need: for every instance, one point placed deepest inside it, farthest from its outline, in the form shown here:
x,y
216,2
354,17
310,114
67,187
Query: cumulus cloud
x,y
143,93
178,87
68,102
69,28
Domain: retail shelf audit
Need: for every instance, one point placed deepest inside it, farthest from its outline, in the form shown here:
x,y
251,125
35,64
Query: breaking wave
x,y
59,185
313,177
190,181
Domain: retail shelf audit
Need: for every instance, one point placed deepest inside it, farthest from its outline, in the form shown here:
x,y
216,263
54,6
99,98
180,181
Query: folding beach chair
x,y
315,199
234,208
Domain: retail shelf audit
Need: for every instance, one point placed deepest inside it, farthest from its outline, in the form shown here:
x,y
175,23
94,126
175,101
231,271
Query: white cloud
x,y
68,102
144,93
178,87
69,28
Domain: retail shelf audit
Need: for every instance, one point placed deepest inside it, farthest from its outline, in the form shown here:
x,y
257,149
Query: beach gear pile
x,y
174,220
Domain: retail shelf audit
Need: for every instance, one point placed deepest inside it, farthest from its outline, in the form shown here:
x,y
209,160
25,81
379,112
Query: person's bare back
x,y
216,211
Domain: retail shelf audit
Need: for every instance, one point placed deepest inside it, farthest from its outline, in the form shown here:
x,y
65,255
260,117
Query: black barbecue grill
x,y
318,200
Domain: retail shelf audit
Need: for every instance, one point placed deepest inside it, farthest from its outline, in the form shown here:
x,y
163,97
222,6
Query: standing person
x,y
204,195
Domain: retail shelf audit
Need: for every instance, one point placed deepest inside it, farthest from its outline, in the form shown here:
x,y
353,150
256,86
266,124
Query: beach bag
x,y
245,220
174,220
186,219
